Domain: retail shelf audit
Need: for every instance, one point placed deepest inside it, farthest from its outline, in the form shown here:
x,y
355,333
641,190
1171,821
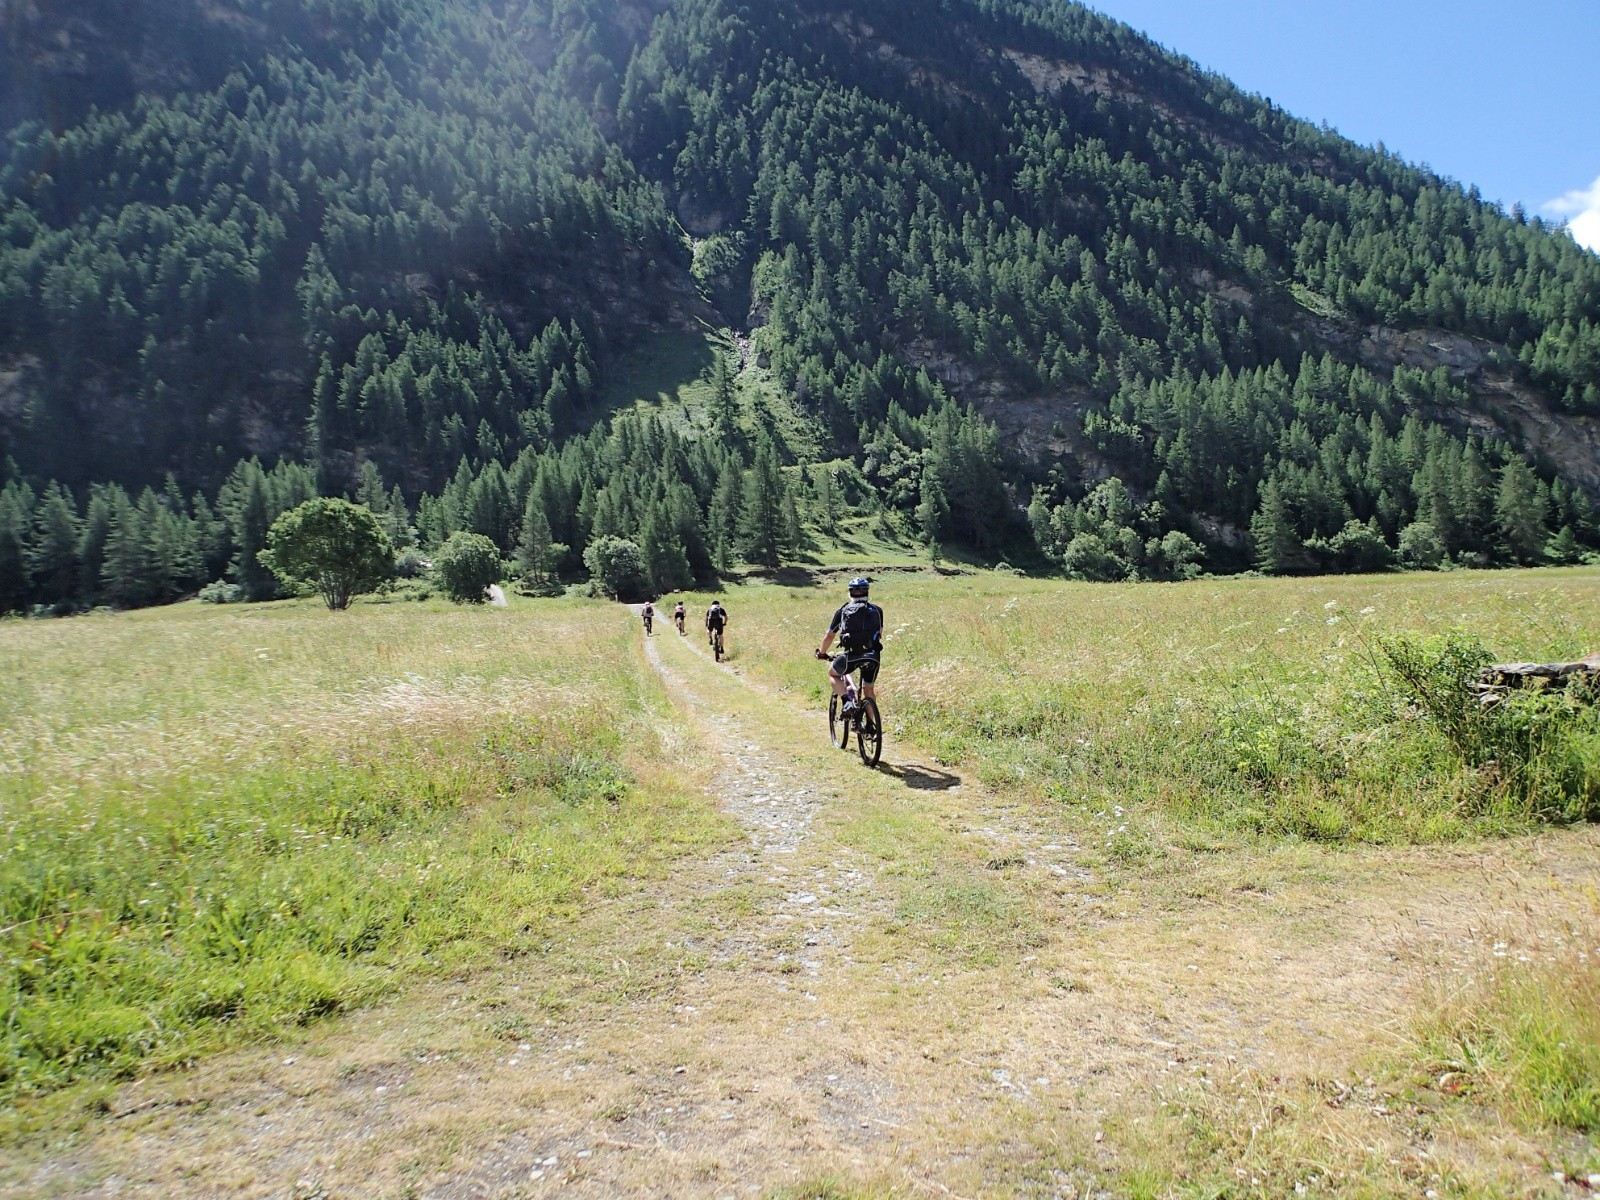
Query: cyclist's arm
x,y
827,640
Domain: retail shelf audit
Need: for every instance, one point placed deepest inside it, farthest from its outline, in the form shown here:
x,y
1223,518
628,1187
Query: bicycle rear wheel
x,y
869,733
838,727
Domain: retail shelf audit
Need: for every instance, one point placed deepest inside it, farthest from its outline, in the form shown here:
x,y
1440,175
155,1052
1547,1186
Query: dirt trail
x,y
804,1005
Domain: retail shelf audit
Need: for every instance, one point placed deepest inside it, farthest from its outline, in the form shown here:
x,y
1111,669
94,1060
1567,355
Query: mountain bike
x,y
716,644
648,622
863,719
677,619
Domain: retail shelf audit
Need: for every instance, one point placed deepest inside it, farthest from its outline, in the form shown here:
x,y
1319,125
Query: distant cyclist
x,y
649,615
716,622
858,626
678,615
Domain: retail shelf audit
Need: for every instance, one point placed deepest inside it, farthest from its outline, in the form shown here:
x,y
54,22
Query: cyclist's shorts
x,y
868,662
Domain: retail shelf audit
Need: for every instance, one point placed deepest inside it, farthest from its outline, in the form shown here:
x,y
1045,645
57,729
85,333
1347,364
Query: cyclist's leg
x,y
869,677
839,674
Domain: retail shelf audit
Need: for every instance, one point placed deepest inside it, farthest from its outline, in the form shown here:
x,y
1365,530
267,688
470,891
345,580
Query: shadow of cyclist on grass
x,y
921,777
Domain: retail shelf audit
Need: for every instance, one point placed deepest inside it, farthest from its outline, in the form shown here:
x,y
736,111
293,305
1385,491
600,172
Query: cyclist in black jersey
x,y
858,627
716,622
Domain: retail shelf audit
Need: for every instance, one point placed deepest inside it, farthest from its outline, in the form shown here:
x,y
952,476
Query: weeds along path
x,y
894,980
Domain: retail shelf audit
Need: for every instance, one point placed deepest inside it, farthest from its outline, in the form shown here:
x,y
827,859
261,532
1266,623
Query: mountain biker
x,y
716,618
859,627
716,621
678,615
649,615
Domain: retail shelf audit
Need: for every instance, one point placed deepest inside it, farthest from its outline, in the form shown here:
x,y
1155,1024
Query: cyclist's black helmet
x,y
859,586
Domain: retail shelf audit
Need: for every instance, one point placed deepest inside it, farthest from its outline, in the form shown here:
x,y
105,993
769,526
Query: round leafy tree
x,y
333,545
466,565
617,566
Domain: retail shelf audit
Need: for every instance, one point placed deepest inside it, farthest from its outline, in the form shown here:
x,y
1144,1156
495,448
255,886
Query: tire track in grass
x,y
776,801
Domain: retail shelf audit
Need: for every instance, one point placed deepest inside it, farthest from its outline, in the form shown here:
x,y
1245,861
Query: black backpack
x,y
860,622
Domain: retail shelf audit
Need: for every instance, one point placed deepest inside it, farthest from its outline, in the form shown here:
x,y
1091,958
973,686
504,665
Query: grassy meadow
x,y
219,823
1187,715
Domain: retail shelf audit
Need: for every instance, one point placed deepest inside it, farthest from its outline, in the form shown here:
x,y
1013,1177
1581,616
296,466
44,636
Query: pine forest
x,y
1006,281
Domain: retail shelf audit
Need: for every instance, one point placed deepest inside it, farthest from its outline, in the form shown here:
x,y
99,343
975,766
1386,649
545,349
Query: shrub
x,y
466,565
1420,547
1355,548
1088,557
410,565
335,546
1540,746
221,592
617,567
1175,556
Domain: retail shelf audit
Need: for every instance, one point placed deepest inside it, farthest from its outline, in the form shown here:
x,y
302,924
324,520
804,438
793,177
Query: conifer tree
x,y
762,525
1279,549
396,521
725,516
1521,513
172,563
1563,548
53,554
664,558
370,490
488,509
724,405
933,513
687,522
451,513
16,504
534,553
828,504
92,544
211,539
250,534
794,530
125,576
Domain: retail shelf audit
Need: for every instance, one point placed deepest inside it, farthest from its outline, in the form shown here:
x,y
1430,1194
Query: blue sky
x,y
1502,95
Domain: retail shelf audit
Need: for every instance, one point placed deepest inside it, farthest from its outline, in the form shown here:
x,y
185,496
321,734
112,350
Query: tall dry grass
x,y
1246,708
217,824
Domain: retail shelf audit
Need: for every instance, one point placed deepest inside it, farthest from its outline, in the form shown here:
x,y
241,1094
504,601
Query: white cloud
x,y
1582,211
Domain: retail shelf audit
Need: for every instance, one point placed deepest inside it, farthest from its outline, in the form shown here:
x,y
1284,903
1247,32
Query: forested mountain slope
x,y
1003,254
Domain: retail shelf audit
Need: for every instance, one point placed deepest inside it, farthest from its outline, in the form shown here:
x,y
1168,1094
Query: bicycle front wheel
x,y
869,733
838,727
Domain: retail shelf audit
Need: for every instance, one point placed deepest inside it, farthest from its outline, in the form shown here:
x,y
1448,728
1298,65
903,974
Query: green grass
x,y
1524,1039
1244,710
669,373
666,370
219,824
